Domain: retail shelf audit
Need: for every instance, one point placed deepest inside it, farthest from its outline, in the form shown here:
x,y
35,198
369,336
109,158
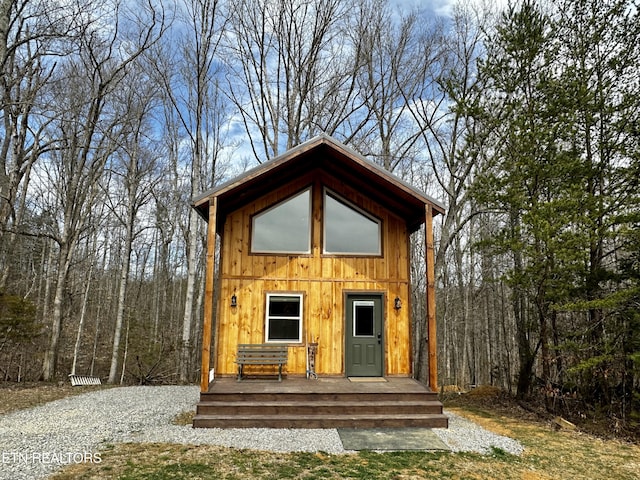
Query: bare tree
x,y
398,53
32,33
287,64
192,91
133,174
86,132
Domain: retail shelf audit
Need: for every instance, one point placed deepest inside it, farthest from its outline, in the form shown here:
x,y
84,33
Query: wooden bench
x,y
77,380
262,354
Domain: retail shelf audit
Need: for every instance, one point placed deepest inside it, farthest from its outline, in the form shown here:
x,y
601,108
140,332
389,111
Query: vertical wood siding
x,y
322,279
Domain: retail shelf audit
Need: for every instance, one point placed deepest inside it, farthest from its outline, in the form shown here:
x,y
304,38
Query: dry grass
x,y
17,396
562,454
184,418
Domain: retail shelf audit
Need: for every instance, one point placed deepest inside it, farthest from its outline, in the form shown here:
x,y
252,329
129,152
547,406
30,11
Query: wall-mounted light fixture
x,y
234,300
397,303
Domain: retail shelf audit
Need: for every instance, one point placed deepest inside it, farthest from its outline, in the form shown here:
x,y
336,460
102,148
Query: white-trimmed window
x,y
285,227
348,230
284,317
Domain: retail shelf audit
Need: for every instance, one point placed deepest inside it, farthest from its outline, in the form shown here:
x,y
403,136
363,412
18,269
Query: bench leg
x,y
280,372
240,372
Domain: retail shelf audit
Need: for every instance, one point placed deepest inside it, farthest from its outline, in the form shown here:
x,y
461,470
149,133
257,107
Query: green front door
x,y
363,332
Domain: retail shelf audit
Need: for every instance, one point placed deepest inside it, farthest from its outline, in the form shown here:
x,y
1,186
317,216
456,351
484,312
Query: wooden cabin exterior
x,y
315,249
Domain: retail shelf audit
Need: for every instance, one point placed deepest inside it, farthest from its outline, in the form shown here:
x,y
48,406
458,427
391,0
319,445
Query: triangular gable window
x,y
285,227
348,230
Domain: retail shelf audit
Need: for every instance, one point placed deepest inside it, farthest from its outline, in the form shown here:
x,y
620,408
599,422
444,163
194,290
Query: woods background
x,y
522,119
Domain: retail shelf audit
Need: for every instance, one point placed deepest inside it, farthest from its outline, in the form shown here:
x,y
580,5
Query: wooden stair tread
x,y
322,421
338,403
329,415
324,395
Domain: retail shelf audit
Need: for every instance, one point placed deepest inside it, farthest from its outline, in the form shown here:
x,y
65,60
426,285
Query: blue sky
x,y
439,7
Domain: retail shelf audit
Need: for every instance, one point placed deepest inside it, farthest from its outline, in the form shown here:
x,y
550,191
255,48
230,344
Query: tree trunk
x,y
51,355
83,314
122,293
187,320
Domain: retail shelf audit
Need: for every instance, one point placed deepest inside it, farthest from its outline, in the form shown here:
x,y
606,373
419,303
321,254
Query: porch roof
x,y
325,153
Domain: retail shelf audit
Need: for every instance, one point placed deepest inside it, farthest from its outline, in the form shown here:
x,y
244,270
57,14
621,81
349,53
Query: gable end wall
x,y
323,280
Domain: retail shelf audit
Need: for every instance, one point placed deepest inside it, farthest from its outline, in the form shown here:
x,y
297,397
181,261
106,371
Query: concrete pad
x,y
392,439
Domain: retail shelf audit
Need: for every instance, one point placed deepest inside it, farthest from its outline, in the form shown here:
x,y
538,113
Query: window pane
x,y
284,307
284,329
363,320
346,230
284,227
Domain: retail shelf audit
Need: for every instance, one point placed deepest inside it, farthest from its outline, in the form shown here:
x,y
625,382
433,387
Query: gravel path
x,y
37,441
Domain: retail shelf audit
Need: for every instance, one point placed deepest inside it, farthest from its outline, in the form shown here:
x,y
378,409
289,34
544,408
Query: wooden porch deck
x,y
328,402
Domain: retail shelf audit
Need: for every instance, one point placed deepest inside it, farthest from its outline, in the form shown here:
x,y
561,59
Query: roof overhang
x,y
325,153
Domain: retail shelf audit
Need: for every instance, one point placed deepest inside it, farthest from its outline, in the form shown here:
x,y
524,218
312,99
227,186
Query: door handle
x,y
379,338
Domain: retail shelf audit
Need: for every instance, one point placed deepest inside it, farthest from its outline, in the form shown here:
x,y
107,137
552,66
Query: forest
x,y
522,118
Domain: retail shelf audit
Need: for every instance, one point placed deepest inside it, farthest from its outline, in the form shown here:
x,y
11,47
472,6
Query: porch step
x,y
247,396
318,407
322,421
331,403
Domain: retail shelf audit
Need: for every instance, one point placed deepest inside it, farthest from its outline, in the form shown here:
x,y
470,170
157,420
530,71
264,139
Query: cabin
x,y
307,320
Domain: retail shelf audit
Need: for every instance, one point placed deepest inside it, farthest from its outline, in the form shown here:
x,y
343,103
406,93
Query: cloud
x,y
441,8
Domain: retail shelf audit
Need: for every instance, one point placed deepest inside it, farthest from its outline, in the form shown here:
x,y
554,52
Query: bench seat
x,y
262,354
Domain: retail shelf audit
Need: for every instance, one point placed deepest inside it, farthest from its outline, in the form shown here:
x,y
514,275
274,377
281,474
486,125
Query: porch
x,y
328,402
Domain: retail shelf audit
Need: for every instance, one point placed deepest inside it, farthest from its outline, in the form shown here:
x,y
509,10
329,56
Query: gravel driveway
x,y
37,441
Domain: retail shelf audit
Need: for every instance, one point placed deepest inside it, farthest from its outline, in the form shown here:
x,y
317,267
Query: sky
x,y
444,7
438,7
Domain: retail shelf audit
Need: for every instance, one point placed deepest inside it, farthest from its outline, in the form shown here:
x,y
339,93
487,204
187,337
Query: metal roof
x,y
325,153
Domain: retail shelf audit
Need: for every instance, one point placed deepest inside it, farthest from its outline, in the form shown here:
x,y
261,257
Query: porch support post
x,y
208,295
431,300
